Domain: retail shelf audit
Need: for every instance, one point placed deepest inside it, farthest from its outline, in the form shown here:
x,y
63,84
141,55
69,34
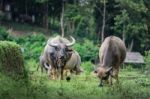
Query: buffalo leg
x,y
116,72
38,67
53,73
67,74
101,83
110,80
62,71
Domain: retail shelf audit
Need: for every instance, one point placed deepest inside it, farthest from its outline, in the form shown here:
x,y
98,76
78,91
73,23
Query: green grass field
x,y
134,84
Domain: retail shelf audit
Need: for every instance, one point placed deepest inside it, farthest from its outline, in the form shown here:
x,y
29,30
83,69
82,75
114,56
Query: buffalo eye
x,y
56,48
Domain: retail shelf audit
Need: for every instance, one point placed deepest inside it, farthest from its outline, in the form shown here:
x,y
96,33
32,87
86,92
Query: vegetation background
x,y
29,23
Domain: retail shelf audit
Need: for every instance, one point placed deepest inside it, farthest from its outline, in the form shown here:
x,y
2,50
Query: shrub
x,y
147,56
147,60
87,66
11,59
4,34
87,50
32,45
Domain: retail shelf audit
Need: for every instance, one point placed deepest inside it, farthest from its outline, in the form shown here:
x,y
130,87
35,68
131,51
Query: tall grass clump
x,y
11,59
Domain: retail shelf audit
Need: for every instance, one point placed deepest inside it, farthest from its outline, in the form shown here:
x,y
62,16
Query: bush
x,y
147,60
88,67
32,45
147,56
87,50
3,34
11,59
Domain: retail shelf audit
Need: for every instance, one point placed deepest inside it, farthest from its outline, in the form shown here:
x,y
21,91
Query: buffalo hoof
x,y
68,79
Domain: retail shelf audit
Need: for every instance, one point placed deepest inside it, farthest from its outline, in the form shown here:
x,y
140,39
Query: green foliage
x,y
32,45
3,34
128,67
87,50
88,67
132,4
127,23
1,15
147,56
11,59
147,61
79,21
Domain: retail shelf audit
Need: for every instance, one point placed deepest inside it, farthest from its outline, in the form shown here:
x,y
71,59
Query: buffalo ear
x,y
109,70
69,49
69,54
95,71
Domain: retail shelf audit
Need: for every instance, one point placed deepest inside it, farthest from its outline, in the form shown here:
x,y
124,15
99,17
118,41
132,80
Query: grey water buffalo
x,y
57,53
112,54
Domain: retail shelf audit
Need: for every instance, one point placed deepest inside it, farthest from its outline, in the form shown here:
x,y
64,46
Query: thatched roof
x,y
134,57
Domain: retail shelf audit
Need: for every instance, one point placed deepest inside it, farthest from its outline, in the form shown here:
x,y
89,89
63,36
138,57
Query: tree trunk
x,y
123,34
131,46
103,26
26,8
1,5
62,19
45,16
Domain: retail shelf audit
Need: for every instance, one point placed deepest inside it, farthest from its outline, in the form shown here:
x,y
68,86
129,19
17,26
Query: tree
x,y
104,13
78,19
127,22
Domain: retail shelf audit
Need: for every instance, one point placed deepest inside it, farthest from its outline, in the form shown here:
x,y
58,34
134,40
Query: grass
x,y
133,85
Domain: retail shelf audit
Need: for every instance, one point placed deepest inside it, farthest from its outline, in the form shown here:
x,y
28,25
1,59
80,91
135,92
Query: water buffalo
x,y
73,64
112,54
43,63
57,53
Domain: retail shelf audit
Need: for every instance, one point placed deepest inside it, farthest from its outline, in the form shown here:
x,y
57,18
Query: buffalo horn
x,y
110,68
52,44
47,66
73,41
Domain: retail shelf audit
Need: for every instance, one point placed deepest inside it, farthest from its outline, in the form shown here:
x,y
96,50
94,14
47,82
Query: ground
x,y
134,84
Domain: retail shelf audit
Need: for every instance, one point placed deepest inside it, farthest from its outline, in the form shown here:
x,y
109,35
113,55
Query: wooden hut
x,y
134,58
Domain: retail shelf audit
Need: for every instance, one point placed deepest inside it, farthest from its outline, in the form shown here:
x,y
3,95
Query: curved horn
x,y
73,41
109,69
50,43
47,66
